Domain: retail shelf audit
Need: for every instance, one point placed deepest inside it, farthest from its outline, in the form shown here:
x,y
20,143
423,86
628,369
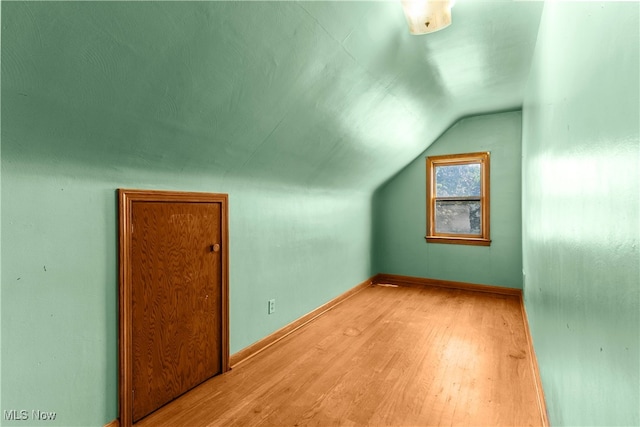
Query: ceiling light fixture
x,y
427,16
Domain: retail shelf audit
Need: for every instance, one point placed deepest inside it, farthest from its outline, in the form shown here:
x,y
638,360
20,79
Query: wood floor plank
x,y
388,356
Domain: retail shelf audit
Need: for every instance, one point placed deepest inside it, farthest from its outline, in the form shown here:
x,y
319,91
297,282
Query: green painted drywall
x,y
98,96
400,210
581,121
59,277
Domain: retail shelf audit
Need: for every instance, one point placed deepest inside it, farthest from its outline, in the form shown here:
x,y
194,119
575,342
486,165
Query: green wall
x,y
59,277
400,210
160,95
581,214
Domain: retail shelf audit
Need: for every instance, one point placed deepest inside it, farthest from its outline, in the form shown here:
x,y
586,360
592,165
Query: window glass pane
x,y
458,180
461,217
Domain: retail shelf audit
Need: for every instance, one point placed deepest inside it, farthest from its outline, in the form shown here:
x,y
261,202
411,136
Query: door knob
x,y
215,247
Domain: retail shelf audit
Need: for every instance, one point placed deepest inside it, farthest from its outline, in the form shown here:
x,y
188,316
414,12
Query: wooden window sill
x,y
476,241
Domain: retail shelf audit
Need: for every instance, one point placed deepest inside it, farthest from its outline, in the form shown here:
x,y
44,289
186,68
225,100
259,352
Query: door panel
x,y
176,284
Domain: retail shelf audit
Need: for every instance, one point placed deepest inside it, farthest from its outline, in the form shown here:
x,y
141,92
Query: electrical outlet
x,y
272,306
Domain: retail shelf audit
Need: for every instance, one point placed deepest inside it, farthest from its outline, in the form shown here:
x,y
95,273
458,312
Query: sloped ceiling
x,y
327,94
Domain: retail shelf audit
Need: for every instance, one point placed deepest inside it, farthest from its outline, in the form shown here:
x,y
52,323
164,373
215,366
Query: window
x,y
458,199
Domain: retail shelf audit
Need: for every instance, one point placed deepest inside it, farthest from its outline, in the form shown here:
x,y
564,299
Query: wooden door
x,y
176,296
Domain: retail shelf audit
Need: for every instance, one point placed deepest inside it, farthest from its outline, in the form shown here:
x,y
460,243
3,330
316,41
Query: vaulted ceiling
x,y
328,94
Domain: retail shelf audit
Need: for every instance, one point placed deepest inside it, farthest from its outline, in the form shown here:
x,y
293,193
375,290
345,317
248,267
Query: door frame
x,y
125,210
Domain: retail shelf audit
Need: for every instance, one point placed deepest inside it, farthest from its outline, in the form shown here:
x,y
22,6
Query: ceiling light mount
x,y
427,16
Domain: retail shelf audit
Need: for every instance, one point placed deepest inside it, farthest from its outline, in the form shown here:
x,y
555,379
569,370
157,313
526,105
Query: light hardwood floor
x,y
388,356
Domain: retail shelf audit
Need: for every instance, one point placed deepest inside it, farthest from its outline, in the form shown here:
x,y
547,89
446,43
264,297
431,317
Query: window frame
x,y
482,158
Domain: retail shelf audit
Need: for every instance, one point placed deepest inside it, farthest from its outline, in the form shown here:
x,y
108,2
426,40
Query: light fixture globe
x,y
427,16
